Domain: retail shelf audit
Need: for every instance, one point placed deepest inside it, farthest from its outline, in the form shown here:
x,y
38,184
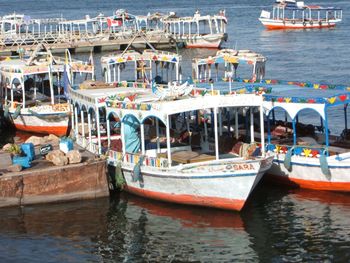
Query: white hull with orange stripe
x,y
224,184
296,24
48,123
306,173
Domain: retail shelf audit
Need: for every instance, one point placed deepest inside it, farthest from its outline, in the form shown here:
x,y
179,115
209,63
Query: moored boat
x,y
165,149
291,14
313,153
32,92
198,31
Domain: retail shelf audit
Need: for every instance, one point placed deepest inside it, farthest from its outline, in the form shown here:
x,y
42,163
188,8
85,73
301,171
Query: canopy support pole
x,y
168,140
216,133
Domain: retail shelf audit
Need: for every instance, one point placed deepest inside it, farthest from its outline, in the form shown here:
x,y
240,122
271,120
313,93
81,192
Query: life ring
x,y
293,22
304,23
172,41
311,22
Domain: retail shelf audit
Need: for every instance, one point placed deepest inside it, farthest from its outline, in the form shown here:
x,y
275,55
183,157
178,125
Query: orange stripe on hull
x,y
217,202
308,184
56,130
278,27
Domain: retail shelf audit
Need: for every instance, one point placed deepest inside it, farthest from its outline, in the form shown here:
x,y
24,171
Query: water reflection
x,y
276,225
299,225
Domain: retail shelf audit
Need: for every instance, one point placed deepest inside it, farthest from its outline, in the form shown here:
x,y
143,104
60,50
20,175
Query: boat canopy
x,y
296,96
230,58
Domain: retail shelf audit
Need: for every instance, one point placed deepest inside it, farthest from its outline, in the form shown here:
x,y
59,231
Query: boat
x,y
306,155
198,31
145,66
168,148
224,66
311,154
291,14
32,92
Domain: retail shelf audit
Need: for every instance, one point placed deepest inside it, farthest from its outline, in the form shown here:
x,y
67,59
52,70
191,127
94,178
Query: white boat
x,y
32,92
198,31
290,14
142,66
310,154
158,149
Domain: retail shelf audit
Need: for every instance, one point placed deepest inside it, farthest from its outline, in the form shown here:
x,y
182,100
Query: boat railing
x,y
134,158
55,37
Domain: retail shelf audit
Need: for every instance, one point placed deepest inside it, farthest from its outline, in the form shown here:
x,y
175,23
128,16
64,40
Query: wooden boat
x,y
144,66
200,37
224,65
306,155
162,149
290,14
31,99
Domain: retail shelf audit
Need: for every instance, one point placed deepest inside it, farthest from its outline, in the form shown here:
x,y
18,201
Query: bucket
x,y
66,145
25,162
28,150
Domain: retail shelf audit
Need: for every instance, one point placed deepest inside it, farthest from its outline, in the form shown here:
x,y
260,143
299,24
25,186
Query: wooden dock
x,y
44,182
84,41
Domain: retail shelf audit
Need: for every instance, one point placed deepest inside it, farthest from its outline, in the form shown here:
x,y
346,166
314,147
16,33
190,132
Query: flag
x,y
66,82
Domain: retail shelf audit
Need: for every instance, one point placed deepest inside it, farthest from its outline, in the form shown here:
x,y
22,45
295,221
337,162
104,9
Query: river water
x,y
276,225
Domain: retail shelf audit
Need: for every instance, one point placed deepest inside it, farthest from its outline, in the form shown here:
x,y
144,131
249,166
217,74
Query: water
x,y
277,224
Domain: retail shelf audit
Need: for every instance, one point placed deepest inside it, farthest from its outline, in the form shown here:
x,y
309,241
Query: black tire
x,y
311,22
293,22
304,23
320,23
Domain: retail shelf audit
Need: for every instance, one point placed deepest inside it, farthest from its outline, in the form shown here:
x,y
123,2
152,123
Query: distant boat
x,y
289,14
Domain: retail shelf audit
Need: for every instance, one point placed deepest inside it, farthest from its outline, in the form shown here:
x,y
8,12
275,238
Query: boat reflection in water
x,y
277,223
298,225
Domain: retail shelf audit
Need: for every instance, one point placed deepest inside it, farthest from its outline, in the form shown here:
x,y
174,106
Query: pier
x,y
84,41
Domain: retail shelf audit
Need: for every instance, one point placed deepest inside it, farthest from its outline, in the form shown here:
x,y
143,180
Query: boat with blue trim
x,y
305,133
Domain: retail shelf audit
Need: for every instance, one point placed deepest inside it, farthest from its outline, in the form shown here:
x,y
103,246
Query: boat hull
x,y
51,124
306,173
222,189
204,41
272,24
